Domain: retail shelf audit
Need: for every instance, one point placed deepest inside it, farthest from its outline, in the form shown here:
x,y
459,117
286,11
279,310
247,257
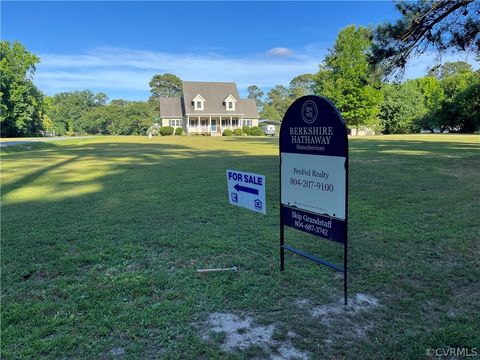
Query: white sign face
x,y
246,190
314,183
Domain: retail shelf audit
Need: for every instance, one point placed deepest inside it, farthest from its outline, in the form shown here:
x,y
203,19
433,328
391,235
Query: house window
x,y
247,122
234,122
229,103
194,123
198,102
175,122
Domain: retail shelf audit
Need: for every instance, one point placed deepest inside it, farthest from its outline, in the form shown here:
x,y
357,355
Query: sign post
x,y
314,176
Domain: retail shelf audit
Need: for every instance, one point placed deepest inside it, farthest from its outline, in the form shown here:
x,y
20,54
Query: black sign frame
x,y
324,110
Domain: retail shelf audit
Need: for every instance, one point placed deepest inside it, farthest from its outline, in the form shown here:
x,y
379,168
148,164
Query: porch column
x,y
231,125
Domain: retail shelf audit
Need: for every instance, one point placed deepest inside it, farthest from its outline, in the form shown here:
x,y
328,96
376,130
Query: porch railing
x,y
205,129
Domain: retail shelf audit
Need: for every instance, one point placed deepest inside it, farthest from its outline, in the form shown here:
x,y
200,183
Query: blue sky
x,y
116,47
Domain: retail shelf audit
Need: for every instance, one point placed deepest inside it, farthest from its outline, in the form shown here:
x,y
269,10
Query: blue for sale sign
x,y
246,190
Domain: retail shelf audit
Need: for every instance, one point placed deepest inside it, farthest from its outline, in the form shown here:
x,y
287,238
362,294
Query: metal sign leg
x,y
282,249
345,272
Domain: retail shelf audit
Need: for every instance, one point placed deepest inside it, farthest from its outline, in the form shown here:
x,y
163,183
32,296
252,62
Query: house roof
x,y
249,108
215,94
171,107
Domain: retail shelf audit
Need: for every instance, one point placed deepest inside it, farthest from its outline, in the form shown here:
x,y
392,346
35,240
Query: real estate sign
x,y
246,190
313,174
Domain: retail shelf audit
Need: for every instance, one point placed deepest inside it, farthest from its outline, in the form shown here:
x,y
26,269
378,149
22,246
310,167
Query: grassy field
x,y
101,239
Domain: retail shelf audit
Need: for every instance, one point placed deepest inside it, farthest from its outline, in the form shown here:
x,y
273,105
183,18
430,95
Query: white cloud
x,y
126,72
279,52
105,69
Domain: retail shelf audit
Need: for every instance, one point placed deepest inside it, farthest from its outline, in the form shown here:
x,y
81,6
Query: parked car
x,y
269,129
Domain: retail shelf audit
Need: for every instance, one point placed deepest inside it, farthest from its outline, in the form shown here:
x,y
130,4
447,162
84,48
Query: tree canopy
x,y
401,108
345,78
426,25
450,68
166,85
67,109
302,85
126,118
277,103
21,108
254,92
446,99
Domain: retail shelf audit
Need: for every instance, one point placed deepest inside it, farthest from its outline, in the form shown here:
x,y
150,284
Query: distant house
x,y
208,108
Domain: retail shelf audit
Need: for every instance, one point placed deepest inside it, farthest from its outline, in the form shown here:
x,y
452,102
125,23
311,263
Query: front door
x,y
213,126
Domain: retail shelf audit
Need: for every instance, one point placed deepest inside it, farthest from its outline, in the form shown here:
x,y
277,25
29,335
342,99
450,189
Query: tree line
x,y
447,98
356,75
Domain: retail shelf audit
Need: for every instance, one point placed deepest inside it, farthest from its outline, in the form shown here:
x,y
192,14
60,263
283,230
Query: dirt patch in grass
x,y
116,353
343,324
359,303
239,333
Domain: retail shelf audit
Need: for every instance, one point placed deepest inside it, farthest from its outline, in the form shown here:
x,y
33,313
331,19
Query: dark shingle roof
x,y
249,108
214,94
171,107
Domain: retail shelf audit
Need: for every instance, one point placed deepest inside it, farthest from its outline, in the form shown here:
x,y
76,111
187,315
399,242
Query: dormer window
x,y
230,103
198,102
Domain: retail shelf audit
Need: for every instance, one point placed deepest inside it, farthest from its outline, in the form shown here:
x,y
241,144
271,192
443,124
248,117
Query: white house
x,y
208,108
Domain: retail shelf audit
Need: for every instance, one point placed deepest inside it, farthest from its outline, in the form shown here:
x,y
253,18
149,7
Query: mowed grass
x,y
101,239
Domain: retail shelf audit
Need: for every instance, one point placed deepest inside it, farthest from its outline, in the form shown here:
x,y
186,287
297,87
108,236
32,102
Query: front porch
x,y
211,125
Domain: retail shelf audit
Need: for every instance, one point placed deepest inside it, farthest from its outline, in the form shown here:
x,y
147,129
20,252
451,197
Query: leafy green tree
x,y
120,102
469,100
270,113
136,118
254,92
450,97
401,108
96,121
302,85
278,101
426,25
67,109
166,85
450,68
119,118
432,97
21,102
453,114
432,92
345,78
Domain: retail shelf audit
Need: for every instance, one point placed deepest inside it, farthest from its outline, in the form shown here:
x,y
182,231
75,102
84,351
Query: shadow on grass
x,y
118,263
374,146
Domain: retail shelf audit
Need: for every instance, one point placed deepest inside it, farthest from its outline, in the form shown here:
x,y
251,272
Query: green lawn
x,y
101,239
